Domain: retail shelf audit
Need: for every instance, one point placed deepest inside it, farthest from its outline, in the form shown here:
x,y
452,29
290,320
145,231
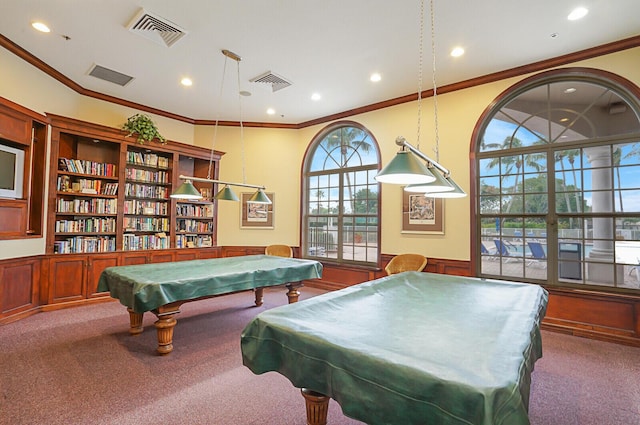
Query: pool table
x,y
163,287
410,348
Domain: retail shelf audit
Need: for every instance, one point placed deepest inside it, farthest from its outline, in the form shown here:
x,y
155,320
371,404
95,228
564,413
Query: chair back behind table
x,y
406,262
279,250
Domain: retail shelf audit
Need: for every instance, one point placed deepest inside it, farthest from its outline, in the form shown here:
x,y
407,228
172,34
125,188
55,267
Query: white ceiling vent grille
x,y
156,28
277,82
110,75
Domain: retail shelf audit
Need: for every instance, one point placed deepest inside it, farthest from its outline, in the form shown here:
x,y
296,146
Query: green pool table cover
x,y
148,286
411,348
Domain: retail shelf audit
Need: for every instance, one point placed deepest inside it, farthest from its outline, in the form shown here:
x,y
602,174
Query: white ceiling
x,y
328,46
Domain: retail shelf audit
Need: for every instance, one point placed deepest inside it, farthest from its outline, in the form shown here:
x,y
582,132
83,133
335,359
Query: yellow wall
x,y
273,157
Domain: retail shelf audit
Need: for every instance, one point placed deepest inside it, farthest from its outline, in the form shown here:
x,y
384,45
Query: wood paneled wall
x,y
34,284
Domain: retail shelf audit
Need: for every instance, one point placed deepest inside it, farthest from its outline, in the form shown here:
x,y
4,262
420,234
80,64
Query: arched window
x,y
341,217
558,182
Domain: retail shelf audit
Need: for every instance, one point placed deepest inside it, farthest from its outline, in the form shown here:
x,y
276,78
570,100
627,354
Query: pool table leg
x,y
135,322
317,407
164,325
293,292
259,296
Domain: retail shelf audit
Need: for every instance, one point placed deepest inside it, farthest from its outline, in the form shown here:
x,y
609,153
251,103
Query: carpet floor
x,y
81,366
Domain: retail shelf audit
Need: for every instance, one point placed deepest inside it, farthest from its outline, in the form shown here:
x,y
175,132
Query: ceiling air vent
x,y
110,75
277,82
156,28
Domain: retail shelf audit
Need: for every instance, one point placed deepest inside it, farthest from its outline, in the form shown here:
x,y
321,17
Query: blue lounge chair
x,y
502,248
537,252
488,253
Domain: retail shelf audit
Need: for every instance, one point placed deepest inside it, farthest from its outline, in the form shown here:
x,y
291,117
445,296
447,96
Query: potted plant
x,y
143,127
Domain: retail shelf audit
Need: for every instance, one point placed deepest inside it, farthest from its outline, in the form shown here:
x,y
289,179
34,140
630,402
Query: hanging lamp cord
x,y
420,55
215,128
435,88
244,176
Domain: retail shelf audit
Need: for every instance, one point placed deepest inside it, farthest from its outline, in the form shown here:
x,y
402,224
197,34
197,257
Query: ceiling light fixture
x,y
578,13
457,52
188,191
375,77
316,96
432,179
186,81
40,26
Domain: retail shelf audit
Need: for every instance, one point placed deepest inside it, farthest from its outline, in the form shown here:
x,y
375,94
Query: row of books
x,y
87,206
136,206
147,159
80,244
146,224
87,225
189,225
145,191
141,242
64,184
189,210
193,241
82,166
147,176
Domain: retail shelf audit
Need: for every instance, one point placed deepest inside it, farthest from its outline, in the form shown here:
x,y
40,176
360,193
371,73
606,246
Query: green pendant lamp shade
x,y
259,198
226,194
405,168
186,191
440,184
457,191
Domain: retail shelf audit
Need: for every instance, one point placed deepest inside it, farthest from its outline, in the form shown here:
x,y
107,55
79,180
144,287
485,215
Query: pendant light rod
x,y
401,141
201,179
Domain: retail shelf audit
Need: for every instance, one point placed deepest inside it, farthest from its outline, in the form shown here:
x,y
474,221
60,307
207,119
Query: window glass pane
x,y
509,184
535,183
627,177
510,164
499,129
595,187
512,204
536,204
490,167
342,197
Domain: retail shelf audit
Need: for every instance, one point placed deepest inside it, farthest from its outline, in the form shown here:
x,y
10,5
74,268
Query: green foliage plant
x,y
145,129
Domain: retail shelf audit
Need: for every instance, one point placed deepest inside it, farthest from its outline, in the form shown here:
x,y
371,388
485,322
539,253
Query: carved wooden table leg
x,y
165,325
135,320
293,292
259,296
317,407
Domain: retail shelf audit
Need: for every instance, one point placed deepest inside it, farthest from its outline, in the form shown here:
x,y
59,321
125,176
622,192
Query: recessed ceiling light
x,y
564,119
316,96
457,51
570,90
186,81
578,13
271,111
40,26
375,77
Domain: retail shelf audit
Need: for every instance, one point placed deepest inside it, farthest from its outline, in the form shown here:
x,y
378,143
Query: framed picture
x,y
256,216
421,214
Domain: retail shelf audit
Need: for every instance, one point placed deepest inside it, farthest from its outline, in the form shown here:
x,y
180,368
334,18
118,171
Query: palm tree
x,y
320,195
571,157
617,158
349,146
